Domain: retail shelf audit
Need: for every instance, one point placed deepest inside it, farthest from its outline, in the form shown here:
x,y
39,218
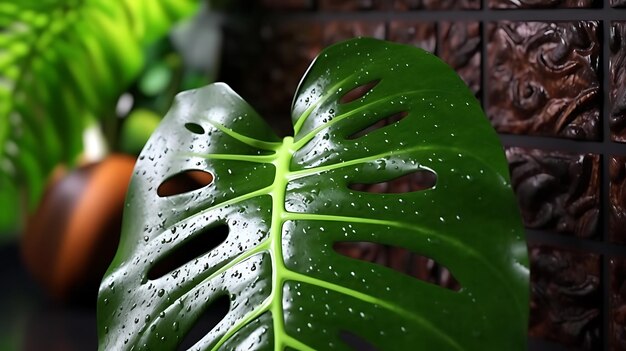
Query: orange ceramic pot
x,y
72,237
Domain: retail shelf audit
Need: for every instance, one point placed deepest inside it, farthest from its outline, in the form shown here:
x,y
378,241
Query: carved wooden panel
x,y
617,199
557,191
336,31
405,5
420,34
617,81
536,4
460,47
566,297
618,3
352,5
617,325
544,78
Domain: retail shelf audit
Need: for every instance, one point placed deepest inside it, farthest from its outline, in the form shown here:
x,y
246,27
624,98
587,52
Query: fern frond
x,y
62,61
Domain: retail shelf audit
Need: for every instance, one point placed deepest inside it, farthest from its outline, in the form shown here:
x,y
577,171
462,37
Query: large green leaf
x,y
62,63
287,203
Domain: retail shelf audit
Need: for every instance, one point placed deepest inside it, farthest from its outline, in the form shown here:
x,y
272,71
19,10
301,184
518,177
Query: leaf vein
x,y
310,135
373,300
257,143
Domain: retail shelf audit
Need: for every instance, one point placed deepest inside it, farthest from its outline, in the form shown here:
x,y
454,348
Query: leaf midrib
x,y
281,274
278,194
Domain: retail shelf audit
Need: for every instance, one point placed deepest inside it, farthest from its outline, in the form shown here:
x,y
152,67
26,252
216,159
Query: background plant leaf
x,y
63,64
286,204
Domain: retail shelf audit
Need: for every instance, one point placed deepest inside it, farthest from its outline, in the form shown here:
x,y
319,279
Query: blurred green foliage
x,y
137,129
63,65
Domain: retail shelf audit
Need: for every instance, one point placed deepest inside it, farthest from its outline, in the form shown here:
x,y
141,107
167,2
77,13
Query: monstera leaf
x,y
263,233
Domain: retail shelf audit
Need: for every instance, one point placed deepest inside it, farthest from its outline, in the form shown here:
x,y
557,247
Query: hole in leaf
x,y
396,117
400,260
358,92
206,322
356,342
184,182
422,179
194,247
194,128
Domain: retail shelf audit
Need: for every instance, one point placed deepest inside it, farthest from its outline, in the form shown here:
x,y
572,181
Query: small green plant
x,y
263,229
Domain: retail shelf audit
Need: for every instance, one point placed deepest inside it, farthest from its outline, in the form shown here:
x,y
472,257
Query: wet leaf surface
x,y
287,203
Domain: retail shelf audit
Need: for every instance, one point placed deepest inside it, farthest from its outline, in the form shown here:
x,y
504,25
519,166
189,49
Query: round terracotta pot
x,y
72,237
